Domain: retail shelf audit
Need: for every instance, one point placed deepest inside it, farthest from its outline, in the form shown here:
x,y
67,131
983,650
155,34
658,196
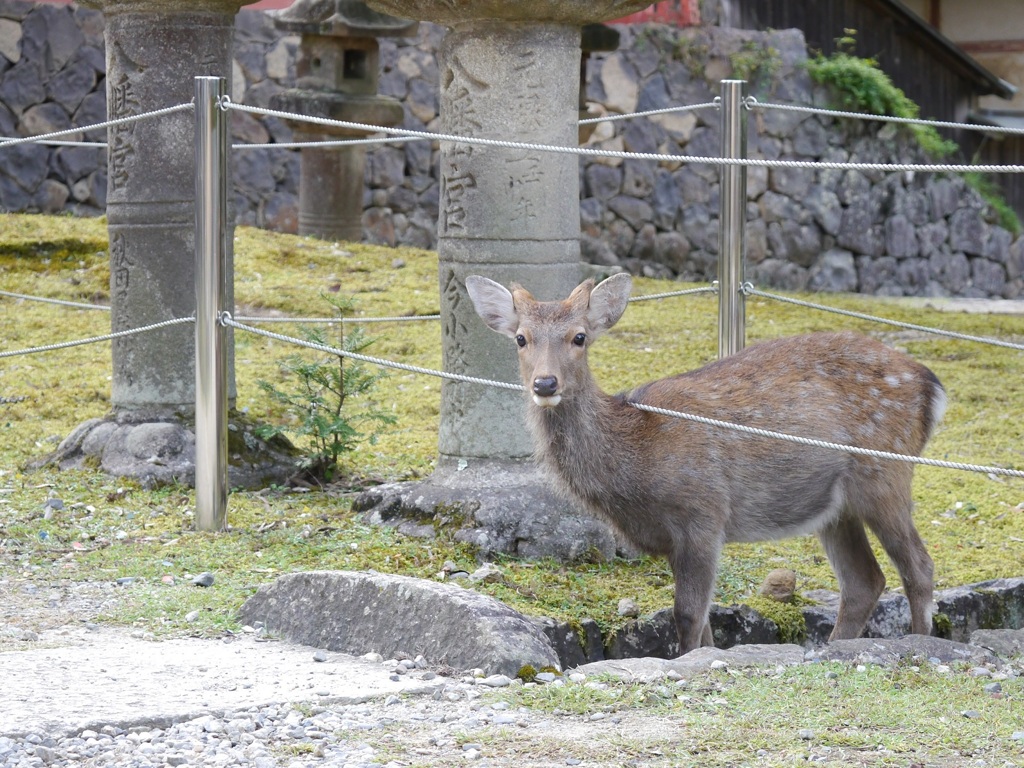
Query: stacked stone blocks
x,y
920,234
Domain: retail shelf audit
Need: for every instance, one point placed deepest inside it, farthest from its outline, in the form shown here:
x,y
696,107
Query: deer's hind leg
x,y
860,579
893,524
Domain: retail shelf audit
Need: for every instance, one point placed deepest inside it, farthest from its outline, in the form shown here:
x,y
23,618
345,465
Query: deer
x,y
680,489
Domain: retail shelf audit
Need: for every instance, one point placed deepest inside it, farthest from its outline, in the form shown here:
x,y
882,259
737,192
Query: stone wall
x,y
51,78
832,230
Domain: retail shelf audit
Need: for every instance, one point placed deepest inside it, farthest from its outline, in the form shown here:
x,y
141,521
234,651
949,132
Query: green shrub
x,y
325,385
860,86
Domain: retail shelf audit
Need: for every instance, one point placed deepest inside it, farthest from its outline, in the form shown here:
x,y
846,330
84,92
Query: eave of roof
x,y
987,82
998,119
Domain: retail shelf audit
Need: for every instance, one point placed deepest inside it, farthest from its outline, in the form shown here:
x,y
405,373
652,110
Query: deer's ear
x,y
493,302
608,301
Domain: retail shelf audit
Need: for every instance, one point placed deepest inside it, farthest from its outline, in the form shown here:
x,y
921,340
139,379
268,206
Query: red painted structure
x,y
680,13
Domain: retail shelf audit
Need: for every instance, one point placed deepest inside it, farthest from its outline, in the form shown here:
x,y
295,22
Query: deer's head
x,y
552,336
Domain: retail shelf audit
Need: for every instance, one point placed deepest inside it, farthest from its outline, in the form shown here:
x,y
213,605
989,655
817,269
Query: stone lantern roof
x,y
341,18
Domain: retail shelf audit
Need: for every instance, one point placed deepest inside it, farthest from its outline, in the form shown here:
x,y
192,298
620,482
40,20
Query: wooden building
x,y
943,78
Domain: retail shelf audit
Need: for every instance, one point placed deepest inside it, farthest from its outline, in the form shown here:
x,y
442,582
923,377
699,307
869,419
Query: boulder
x,y
360,613
968,231
655,634
834,271
574,645
889,650
891,617
498,507
1005,643
995,604
163,452
699,660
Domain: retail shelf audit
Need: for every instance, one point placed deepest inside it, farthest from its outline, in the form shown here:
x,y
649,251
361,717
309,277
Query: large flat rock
x,y
373,612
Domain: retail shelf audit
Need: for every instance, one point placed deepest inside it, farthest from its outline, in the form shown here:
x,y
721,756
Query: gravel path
x,y
104,697
73,693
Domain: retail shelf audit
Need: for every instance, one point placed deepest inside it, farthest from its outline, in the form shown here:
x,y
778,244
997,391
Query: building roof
x,y
985,81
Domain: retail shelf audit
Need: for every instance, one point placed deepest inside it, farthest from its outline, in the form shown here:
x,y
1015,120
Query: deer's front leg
x,y
694,565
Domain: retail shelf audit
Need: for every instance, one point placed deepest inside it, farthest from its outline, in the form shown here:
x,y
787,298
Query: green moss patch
x,y
108,529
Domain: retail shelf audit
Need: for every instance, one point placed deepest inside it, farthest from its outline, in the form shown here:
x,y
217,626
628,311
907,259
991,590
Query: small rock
x,y
192,616
806,734
546,677
397,263
628,608
780,585
496,681
1017,736
980,672
487,574
204,579
993,688
320,656
971,714
46,754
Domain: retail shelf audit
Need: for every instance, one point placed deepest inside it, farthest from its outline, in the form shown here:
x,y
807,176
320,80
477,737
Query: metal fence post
x,y
732,220
211,141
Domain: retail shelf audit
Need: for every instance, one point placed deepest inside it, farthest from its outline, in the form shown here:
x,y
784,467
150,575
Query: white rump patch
x,y
939,403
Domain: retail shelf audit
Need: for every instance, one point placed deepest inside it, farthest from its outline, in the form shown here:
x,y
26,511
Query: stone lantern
x,y
336,77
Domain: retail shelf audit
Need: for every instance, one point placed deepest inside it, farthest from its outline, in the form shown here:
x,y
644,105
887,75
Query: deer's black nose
x,y
545,386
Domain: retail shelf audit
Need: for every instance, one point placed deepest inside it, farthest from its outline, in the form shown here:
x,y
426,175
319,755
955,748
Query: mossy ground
x,y
973,524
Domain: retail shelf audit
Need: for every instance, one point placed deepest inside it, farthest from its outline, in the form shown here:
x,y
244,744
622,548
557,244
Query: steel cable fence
x,y
398,135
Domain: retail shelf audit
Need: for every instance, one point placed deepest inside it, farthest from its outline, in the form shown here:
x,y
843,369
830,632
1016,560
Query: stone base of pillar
x,y
158,450
501,506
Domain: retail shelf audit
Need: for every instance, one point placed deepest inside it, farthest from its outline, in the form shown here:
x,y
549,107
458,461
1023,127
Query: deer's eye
x,y
579,339
521,340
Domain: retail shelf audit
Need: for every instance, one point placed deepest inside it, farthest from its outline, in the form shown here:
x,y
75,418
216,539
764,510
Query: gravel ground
x,y
76,694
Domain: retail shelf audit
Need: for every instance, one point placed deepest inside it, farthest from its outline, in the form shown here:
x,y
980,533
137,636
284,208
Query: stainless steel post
x,y
211,139
732,220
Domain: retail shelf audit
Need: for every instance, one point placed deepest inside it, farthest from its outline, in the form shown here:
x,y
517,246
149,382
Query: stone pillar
x,y
155,48
510,215
508,70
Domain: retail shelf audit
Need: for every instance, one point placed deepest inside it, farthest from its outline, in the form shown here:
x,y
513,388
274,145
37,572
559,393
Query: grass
x,y
111,528
734,719
830,714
